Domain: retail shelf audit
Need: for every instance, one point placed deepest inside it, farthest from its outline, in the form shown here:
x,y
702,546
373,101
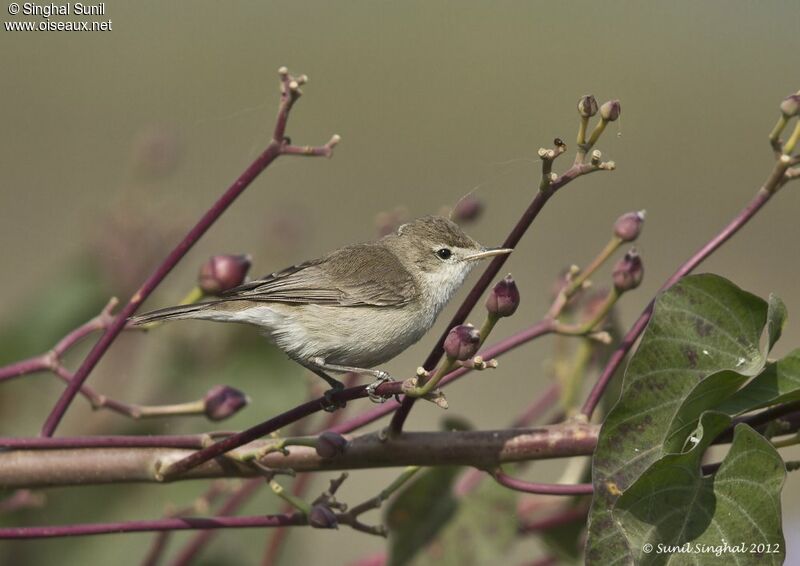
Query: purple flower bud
x,y
504,298
223,272
223,401
628,272
629,225
322,517
587,106
462,342
791,105
331,444
467,209
610,110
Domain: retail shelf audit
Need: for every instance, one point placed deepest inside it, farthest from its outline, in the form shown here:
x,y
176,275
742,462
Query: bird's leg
x,y
380,376
336,385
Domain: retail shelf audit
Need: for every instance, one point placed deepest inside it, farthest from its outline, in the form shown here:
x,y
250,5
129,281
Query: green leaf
x,y
429,526
776,318
419,512
778,383
482,530
565,542
673,504
703,327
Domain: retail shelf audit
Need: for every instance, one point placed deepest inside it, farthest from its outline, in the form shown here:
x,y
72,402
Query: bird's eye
x,y
444,253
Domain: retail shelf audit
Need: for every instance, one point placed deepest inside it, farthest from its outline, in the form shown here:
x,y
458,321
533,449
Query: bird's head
x,y
439,254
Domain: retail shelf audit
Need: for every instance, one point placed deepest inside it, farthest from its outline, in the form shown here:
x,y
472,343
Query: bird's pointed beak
x,y
489,252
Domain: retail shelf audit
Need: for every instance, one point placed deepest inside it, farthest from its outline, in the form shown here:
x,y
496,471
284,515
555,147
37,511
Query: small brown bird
x,y
357,307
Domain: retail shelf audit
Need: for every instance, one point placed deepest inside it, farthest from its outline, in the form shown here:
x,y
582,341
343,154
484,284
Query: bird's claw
x,y
383,377
329,405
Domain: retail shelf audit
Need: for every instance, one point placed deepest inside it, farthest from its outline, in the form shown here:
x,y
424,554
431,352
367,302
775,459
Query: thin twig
x,y
541,488
160,541
316,405
191,549
775,180
488,276
290,92
155,525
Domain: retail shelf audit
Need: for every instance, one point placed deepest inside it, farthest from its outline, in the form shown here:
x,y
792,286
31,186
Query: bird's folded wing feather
x,y
361,275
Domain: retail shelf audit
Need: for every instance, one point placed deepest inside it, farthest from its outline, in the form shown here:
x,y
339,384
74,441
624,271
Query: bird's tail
x,y
169,313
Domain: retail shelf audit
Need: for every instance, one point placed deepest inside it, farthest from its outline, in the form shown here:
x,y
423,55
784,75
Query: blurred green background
x,y
113,143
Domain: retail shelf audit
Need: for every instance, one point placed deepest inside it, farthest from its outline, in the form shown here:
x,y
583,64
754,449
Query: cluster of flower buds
x,y
628,272
223,272
462,342
223,401
504,298
330,444
468,209
628,226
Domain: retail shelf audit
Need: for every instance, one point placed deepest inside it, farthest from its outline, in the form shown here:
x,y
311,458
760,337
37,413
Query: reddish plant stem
x,y
198,542
272,551
276,539
539,329
761,198
196,441
160,541
155,525
276,147
546,401
50,361
271,425
108,337
313,406
541,488
486,278
250,487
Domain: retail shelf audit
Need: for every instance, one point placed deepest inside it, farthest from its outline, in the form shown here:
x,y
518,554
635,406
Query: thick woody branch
x,y
301,411
481,449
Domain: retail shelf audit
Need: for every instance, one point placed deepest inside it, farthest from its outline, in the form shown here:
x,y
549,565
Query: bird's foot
x,y
383,377
329,404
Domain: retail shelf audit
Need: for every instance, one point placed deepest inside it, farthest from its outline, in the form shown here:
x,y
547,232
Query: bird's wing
x,y
361,275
